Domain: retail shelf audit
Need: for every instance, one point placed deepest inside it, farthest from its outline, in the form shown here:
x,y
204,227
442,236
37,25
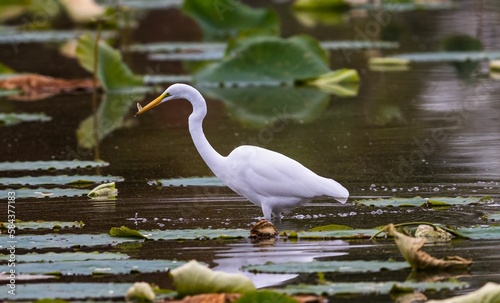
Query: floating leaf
x,y
37,87
16,37
194,278
489,293
59,180
331,227
41,192
419,201
112,72
73,291
195,234
97,267
389,61
263,230
103,191
321,4
268,60
227,18
193,181
346,288
125,232
50,165
326,266
64,240
342,82
420,260
495,65
16,118
452,56
23,225
492,216
65,256
480,232
265,296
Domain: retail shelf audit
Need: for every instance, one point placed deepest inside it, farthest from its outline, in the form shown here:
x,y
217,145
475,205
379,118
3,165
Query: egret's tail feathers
x,y
341,193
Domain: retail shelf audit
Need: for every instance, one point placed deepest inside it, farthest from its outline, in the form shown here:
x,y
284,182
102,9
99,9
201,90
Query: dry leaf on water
x,y
489,293
263,230
420,260
209,298
37,87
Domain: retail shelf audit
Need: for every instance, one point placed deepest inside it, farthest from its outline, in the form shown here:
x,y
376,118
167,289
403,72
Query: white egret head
x,y
175,91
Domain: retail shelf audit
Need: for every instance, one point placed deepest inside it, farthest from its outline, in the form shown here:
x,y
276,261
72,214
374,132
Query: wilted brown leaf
x,y
37,87
209,298
489,293
263,230
420,260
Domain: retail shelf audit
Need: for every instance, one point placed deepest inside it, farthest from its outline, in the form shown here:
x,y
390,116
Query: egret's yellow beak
x,y
151,104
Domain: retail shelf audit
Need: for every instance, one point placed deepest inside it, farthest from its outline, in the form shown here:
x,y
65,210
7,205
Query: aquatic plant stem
x,y
94,91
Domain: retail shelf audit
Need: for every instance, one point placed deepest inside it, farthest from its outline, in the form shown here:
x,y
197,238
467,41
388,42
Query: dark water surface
x,y
433,130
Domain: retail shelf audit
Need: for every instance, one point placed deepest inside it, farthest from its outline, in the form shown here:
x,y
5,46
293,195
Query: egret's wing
x,y
271,174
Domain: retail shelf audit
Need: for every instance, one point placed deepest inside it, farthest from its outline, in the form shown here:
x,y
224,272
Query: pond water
x,y
432,130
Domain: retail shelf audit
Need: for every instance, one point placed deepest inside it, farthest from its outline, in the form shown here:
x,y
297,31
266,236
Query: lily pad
x,y
268,60
419,201
26,225
321,5
125,232
195,234
193,181
50,165
64,240
345,288
492,216
97,267
326,266
65,256
453,56
59,180
22,193
112,72
489,293
16,37
194,278
72,291
481,232
223,19
16,118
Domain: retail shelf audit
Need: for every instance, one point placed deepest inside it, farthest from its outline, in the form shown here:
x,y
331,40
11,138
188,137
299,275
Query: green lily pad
x,y
326,266
193,278
223,19
64,240
452,56
41,192
419,201
346,288
194,181
26,225
481,232
492,216
16,118
50,165
337,234
16,37
112,72
68,291
321,5
110,116
331,227
125,232
97,267
65,256
59,180
268,60
265,296
195,234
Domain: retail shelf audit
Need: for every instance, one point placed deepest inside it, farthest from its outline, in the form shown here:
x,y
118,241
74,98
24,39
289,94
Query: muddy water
x,y
430,131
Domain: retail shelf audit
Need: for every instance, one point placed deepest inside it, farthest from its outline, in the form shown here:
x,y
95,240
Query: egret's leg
x,y
267,212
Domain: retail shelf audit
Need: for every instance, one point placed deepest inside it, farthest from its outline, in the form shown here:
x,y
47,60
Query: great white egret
x,y
268,179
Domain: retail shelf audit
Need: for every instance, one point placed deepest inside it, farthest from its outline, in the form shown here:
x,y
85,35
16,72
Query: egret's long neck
x,y
213,159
